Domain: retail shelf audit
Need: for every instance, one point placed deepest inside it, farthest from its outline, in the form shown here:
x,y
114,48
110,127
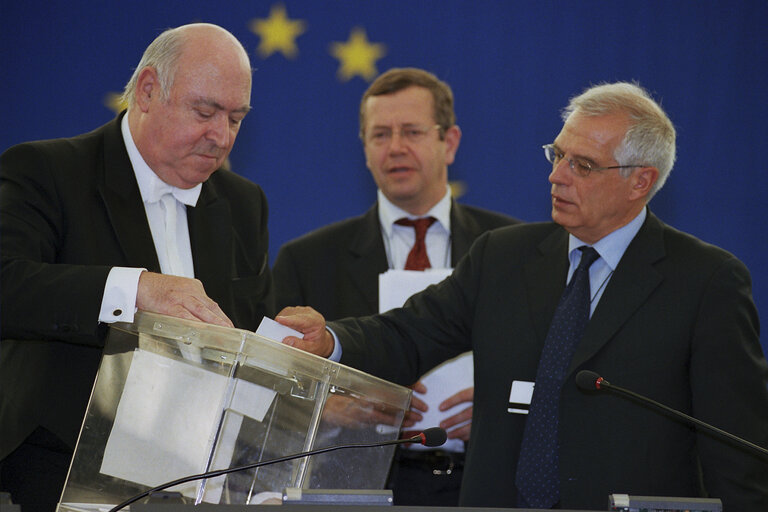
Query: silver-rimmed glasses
x,y
580,167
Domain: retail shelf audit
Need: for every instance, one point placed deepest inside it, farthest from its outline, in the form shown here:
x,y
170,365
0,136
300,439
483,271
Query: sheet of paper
x,y
276,331
395,286
167,415
164,422
443,381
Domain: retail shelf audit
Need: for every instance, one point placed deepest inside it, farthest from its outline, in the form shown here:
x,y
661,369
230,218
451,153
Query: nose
x,y
218,130
396,143
561,173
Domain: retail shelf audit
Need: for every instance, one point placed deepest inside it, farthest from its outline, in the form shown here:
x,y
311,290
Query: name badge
x,y
520,397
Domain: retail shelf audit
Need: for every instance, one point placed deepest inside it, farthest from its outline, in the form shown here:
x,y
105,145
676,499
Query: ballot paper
x,y
167,418
276,331
395,286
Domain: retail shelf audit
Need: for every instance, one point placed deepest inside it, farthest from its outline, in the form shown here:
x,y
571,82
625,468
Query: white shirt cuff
x,y
336,354
119,301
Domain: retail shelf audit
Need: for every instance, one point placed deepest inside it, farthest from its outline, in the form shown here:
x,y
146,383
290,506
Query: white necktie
x,y
171,235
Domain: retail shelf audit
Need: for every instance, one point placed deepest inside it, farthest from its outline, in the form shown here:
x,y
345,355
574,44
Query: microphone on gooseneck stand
x,y
591,381
430,437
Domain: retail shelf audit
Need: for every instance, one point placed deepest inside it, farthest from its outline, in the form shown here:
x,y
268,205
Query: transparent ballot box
x,y
174,398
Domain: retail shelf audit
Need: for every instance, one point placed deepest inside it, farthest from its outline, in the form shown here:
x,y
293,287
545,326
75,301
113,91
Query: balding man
x,y
133,215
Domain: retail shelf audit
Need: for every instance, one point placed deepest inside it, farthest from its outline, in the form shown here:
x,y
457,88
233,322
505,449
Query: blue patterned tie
x,y
538,474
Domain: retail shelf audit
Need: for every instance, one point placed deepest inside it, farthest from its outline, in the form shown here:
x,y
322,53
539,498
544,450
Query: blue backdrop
x,y
512,66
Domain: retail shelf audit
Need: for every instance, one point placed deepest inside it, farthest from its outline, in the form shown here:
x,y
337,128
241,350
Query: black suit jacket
x,y
676,323
335,269
70,209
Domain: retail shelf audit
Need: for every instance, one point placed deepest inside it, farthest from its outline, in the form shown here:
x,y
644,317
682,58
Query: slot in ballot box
x,y
174,398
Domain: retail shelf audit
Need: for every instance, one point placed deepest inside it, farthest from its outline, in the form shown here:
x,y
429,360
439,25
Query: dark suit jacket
x,y
335,269
70,209
676,323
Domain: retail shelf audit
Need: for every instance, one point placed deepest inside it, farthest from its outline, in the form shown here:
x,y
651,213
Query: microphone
x,y
591,381
431,437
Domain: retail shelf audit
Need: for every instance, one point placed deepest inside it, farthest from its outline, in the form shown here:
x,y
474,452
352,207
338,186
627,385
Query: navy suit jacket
x,y
676,323
70,210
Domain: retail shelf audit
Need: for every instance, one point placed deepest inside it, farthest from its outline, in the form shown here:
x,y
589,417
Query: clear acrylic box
x,y
174,398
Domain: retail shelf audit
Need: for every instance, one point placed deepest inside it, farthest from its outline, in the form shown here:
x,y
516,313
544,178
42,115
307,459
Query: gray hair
x,y
163,55
650,138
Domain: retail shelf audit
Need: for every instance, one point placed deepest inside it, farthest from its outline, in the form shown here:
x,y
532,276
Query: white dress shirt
x,y
119,301
399,240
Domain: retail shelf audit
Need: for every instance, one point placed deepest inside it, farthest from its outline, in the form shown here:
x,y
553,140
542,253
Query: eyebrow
x,y
401,125
218,106
583,158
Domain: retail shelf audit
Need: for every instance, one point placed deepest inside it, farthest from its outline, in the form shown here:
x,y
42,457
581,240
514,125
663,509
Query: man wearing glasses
x,y
410,137
649,308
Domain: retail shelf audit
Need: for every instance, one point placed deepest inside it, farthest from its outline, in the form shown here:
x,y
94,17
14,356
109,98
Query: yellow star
x,y
114,102
357,56
278,33
458,188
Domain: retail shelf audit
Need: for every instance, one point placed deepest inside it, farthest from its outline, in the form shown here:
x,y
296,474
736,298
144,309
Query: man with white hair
x,y
136,214
648,307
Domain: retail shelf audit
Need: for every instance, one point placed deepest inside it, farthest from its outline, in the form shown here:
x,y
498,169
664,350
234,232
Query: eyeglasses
x,y
413,134
580,167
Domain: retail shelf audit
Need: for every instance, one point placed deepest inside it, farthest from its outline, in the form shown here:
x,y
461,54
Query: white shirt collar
x,y
389,213
152,188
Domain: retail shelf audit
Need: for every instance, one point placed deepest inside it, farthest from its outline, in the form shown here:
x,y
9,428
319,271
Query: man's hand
x,y
465,415
317,340
413,415
180,297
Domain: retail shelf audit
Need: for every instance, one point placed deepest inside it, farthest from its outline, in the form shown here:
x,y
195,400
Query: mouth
x,y
559,202
398,170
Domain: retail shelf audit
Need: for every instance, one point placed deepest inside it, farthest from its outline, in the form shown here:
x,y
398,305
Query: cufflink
x,y
117,312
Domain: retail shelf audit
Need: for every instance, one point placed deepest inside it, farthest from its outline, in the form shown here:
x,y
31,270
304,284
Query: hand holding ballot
x,y
317,340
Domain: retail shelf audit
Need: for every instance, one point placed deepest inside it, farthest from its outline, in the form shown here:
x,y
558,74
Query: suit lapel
x,y
545,281
211,245
122,199
464,231
367,257
631,284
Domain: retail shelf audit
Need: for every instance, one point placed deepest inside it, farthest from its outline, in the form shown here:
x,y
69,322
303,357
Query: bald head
x,y
197,40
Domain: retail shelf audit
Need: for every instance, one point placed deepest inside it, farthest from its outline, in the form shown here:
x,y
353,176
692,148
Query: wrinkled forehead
x,y
225,80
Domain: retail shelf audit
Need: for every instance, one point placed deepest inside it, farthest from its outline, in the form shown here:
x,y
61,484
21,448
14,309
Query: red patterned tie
x,y
418,258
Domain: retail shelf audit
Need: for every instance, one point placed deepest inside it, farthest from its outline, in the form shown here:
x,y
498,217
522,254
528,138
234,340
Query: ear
x,y
642,182
452,140
147,87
